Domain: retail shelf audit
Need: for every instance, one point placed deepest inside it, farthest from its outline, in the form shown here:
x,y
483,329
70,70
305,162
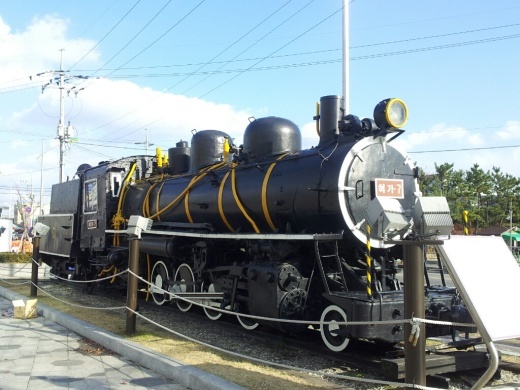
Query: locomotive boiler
x,y
275,233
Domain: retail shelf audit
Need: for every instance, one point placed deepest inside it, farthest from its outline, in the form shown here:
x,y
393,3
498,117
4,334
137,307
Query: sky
x,y
158,70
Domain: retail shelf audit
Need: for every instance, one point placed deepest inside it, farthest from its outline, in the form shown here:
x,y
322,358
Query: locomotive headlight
x,y
391,113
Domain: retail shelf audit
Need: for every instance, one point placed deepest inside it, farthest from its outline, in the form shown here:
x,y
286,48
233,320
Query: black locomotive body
x,y
267,229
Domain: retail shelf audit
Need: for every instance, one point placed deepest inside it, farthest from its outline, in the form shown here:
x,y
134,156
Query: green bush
x,y
15,257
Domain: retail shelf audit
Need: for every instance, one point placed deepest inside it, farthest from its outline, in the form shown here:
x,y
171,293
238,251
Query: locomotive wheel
x,y
211,314
335,341
247,323
160,276
184,275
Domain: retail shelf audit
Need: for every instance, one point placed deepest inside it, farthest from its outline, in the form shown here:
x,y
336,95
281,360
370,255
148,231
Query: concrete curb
x,y
186,375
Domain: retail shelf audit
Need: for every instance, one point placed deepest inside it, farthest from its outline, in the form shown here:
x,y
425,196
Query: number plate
x,y
390,188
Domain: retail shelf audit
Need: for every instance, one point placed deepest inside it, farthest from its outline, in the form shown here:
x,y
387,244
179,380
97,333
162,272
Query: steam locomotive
x,y
265,229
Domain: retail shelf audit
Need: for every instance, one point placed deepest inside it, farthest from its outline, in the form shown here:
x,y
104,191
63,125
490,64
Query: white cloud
x,y
36,49
106,110
510,131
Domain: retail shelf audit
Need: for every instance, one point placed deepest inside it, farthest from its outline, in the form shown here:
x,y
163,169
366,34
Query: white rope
x,y
281,320
15,283
19,270
279,365
76,305
91,280
415,332
224,311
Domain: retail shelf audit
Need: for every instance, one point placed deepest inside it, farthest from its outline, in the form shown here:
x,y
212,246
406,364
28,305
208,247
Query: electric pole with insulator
x,y
64,132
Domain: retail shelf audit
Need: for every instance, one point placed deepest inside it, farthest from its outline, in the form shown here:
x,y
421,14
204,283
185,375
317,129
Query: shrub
x,y
15,257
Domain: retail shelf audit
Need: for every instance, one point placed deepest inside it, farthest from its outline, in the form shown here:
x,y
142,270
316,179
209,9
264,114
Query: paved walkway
x,y
41,354
57,351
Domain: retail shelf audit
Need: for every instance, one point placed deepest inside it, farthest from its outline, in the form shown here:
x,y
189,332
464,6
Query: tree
x,y
448,183
504,188
479,185
25,208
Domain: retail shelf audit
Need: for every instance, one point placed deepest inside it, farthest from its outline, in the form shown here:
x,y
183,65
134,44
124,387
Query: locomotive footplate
x,y
358,307
388,306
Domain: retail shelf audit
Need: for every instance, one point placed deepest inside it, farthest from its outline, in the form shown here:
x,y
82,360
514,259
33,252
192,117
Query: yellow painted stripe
x,y
369,264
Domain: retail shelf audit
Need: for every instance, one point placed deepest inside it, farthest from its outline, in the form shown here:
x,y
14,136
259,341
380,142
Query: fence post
x,y
35,268
414,347
131,295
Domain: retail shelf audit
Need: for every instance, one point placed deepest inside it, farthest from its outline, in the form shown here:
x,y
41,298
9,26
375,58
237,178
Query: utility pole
x,y
41,184
61,126
146,142
64,132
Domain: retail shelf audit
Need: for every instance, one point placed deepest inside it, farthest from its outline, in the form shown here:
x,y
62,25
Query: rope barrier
x,y
15,283
76,305
413,336
412,321
91,280
281,320
279,365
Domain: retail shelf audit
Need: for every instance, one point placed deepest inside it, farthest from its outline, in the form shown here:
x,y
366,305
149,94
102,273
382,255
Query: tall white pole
x,y
61,124
346,56
41,183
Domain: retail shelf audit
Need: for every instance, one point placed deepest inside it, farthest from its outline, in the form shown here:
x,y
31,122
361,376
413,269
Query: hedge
x,y
15,257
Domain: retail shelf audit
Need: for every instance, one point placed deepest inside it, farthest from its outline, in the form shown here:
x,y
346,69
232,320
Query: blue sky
x,y
173,66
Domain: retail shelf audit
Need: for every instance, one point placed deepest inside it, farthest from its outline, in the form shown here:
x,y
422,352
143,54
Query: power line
x,y
250,46
274,52
134,37
161,36
466,149
107,34
27,86
235,59
253,67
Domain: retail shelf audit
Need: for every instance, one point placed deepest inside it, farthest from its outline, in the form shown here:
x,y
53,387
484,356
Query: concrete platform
x,y
52,352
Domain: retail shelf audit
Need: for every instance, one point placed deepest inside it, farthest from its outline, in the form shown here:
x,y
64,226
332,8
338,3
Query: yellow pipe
x,y
239,204
159,156
114,278
220,204
264,193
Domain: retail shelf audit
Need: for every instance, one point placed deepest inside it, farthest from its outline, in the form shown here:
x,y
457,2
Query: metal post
x,y
61,124
131,297
415,357
34,270
346,57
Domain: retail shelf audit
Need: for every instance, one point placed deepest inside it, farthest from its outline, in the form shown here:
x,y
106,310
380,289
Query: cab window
x,y
90,197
